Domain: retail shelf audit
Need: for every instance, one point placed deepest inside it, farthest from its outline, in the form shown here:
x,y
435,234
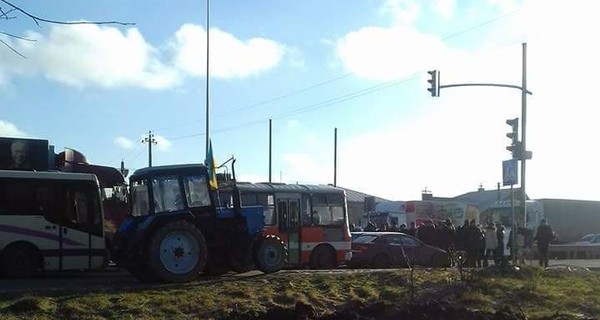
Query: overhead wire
x,y
322,104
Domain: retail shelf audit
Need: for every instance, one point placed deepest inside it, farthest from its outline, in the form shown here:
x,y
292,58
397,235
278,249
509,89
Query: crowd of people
x,y
479,243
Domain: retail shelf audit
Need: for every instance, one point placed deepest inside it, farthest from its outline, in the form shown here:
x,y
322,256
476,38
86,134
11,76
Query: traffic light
x,y
515,147
516,150
434,83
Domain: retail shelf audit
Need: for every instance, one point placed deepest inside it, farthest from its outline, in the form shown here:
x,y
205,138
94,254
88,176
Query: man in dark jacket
x,y
544,235
412,231
426,233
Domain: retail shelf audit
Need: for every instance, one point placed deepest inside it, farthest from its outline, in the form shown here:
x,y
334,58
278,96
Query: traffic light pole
x,y
484,85
435,90
523,133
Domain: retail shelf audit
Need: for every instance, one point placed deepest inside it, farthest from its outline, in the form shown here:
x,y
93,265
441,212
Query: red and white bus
x,y
50,221
312,220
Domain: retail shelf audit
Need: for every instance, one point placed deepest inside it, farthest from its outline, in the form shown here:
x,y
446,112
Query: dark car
x,y
385,249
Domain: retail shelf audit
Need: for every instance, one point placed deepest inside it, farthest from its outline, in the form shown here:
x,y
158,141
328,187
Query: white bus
x,y
50,221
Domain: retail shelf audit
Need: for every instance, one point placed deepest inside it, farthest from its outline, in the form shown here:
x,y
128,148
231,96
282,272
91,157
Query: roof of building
x,y
484,199
357,196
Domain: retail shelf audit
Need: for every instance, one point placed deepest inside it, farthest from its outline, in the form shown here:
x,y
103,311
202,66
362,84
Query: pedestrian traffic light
x,y
515,147
434,83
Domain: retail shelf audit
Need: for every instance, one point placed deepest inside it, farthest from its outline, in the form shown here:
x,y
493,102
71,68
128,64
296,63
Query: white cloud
x,y
229,57
8,129
458,141
403,12
384,54
104,56
124,143
162,143
305,168
293,123
506,5
445,8
91,55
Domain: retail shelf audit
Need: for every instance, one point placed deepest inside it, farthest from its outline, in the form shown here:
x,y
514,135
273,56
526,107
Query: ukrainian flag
x,y
211,164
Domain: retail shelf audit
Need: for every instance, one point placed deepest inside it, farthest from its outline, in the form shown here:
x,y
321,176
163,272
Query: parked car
x,y
588,239
385,249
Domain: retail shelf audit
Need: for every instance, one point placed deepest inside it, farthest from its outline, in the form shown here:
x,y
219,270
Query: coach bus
x,y
312,220
50,221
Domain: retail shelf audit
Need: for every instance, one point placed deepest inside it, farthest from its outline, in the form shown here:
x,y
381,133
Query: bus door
x,y
288,211
82,244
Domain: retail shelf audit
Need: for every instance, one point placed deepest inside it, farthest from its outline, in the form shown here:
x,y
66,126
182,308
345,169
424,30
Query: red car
x,y
385,249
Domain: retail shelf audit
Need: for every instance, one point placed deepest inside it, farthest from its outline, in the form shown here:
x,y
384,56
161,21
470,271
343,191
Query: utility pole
x,y
207,78
270,148
335,158
150,141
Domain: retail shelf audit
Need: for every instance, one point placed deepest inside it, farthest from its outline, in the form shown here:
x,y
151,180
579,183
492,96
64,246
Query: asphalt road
x,y
120,279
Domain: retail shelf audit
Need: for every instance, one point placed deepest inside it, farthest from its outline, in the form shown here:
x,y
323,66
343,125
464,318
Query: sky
x,y
313,66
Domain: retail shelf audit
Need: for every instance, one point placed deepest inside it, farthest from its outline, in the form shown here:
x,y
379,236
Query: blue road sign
x,y
509,172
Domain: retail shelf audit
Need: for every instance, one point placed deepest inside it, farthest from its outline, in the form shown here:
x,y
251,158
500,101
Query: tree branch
x,y
16,37
4,15
13,49
37,19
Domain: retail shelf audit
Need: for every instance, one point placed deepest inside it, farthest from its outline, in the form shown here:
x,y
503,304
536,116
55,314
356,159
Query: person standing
x,y
544,235
500,238
491,242
412,231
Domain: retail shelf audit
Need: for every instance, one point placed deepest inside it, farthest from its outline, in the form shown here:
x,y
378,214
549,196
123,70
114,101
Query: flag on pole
x,y
211,165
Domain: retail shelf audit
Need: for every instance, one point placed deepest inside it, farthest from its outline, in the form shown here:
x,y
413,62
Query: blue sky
x,y
312,66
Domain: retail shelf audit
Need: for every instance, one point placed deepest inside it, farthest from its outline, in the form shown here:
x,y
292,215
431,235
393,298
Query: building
x,y
359,203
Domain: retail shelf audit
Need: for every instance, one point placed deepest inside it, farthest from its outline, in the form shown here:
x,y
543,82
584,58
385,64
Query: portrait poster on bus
x,y
23,154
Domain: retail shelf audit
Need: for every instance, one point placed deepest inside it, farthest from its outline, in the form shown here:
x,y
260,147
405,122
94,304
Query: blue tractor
x,y
178,229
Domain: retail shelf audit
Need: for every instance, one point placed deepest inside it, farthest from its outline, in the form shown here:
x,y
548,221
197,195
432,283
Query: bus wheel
x,y
270,254
177,252
323,257
20,260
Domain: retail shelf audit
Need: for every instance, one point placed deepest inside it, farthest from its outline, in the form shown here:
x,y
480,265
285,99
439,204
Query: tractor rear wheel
x,y
177,252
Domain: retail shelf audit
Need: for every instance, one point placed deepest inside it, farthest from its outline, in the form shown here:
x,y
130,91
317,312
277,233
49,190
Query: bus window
x,y
294,215
81,209
283,215
16,198
328,210
266,200
167,194
306,221
196,191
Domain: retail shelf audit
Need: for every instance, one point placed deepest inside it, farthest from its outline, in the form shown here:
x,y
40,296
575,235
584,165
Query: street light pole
x,y
207,78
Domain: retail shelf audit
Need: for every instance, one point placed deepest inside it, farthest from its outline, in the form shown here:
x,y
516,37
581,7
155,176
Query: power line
x,y
311,107
323,83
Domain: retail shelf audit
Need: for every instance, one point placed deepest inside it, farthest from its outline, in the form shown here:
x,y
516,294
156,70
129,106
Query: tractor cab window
x,y
196,191
167,194
139,198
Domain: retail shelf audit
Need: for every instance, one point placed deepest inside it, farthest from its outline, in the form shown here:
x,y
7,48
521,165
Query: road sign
x,y
509,172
